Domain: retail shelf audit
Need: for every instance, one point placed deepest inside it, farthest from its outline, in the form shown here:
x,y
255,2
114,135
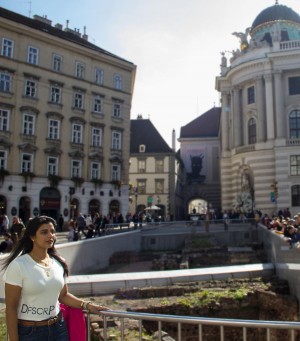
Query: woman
x,y
35,286
17,227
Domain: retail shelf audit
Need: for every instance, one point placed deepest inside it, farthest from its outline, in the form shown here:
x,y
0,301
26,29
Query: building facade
x,y
199,151
260,118
154,177
64,121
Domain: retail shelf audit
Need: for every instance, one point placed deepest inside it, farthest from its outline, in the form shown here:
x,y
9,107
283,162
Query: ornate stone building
x,y
260,117
64,121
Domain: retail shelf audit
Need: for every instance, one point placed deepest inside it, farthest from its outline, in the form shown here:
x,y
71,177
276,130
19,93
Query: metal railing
x,y
269,326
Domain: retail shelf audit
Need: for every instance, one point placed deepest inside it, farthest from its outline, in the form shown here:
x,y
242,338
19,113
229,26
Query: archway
x,y
24,209
94,207
114,206
198,206
50,202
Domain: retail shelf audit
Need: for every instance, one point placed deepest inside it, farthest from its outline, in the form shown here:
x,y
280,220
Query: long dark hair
x,y
25,244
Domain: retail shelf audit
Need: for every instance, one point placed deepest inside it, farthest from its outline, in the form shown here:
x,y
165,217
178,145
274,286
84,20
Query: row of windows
x,y
27,165
55,95
159,166
159,186
294,127
7,50
293,84
54,130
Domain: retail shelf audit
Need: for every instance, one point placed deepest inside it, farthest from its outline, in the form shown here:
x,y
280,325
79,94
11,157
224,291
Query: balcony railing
x,y
293,142
287,45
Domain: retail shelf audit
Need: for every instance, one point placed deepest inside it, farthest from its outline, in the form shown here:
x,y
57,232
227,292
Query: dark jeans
x,y
56,332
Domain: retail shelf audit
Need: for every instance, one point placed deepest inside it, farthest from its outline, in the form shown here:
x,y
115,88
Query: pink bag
x,y
75,322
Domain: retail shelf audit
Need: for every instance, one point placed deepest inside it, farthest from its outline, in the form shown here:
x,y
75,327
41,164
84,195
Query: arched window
x,y
251,131
296,195
294,124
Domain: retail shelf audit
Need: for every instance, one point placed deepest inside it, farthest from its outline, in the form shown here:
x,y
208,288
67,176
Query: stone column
x,y
236,116
225,121
279,107
269,107
261,118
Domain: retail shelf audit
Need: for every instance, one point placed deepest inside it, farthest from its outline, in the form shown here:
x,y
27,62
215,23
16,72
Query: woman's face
x,y
45,236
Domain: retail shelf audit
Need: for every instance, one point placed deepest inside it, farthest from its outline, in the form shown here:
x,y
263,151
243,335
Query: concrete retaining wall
x,y
286,261
88,256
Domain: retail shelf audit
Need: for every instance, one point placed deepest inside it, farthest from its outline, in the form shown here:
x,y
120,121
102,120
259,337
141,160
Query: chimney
x,y
174,140
85,36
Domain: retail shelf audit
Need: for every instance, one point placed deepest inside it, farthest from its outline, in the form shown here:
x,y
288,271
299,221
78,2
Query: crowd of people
x,y
286,225
86,226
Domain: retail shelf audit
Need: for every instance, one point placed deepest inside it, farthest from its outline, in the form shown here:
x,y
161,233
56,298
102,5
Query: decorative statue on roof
x,y
243,39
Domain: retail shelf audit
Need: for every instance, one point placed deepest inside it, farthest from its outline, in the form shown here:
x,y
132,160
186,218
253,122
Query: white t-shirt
x,y
40,285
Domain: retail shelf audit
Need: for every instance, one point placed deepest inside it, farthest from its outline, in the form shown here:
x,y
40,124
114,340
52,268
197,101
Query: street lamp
x,y
136,197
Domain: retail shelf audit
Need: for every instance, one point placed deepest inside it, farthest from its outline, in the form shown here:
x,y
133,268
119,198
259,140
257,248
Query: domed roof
x,y
276,12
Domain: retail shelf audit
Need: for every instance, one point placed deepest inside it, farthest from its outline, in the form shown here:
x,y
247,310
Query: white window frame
x,y
57,61
142,166
28,126
96,170
117,110
33,55
55,94
115,172
80,70
30,88
97,104
5,82
3,159
141,186
52,165
99,76
96,137
159,186
118,81
7,48
78,100
77,133
159,165
76,167
116,140
26,162
4,119
53,129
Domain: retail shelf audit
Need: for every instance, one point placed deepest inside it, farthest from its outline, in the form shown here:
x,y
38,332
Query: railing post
x,y
179,331
104,327
200,332
122,328
88,327
221,333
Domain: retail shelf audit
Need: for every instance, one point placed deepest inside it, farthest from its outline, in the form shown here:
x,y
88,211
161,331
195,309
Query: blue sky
x,y
175,44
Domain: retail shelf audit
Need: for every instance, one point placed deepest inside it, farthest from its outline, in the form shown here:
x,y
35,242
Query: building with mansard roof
x,y
260,117
155,172
64,121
